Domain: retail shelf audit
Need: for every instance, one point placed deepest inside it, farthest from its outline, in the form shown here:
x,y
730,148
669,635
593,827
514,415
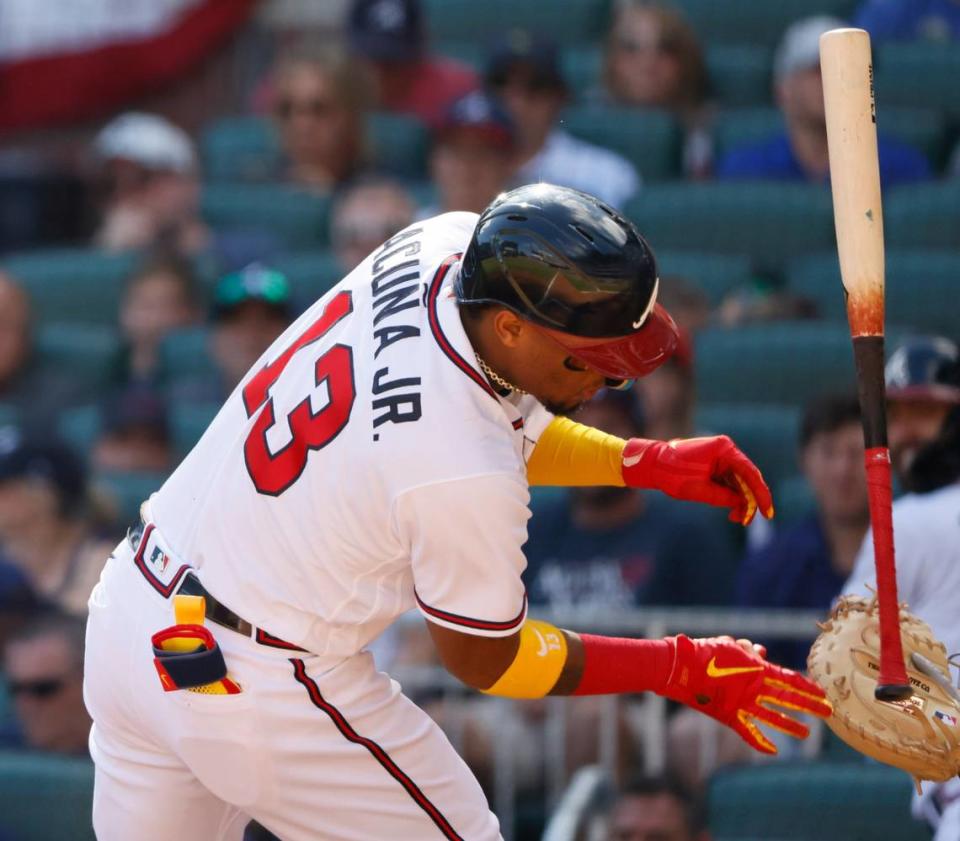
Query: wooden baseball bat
x,y
847,71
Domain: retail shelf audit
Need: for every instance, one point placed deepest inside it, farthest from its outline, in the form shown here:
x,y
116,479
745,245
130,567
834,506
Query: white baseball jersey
x,y
364,466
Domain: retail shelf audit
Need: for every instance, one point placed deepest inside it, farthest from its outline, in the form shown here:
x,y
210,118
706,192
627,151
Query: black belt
x,y
215,610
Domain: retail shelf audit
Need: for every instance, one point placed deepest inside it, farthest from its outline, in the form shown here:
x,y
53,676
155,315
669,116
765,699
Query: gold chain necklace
x,y
495,378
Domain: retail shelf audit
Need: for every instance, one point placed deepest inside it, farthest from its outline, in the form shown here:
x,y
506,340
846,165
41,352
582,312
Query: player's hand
x,y
731,681
711,470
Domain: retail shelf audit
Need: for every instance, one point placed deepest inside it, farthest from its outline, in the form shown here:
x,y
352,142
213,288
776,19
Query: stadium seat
x,y
918,73
715,274
922,215
567,21
651,140
786,363
767,434
44,796
815,801
792,499
471,53
311,273
9,414
918,283
740,74
398,144
297,217
87,353
127,489
582,69
72,284
750,22
921,128
185,353
189,422
80,428
767,221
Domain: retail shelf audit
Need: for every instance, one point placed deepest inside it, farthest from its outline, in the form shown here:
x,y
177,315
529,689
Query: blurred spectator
x,y
667,395
135,435
656,809
320,101
160,297
43,665
390,36
608,547
805,565
800,152
368,213
48,527
472,156
524,72
251,308
150,185
908,20
653,59
686,302
759,302
34,392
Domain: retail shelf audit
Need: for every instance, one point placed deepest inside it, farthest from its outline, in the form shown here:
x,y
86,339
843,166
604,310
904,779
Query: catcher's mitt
x,y
921,734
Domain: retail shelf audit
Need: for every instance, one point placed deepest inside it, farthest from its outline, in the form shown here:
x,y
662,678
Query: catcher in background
x,y
923,392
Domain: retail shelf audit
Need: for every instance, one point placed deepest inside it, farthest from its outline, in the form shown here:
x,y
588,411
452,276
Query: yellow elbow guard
x,y
571,454
537,666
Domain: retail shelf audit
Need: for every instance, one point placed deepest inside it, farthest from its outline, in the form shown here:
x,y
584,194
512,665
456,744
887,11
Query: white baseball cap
x,y
148,140
800,46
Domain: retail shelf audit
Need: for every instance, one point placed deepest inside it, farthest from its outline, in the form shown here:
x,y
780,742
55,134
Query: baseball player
x,y
375,459
923,394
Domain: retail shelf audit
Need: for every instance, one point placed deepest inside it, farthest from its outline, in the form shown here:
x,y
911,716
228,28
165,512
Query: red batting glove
x,y
718,677
710,470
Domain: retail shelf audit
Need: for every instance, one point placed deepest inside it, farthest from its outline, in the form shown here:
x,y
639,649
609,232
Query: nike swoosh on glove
x,y
738,688
711,470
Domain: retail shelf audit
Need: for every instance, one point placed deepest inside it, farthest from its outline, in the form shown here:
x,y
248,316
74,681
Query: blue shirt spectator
x,y
906,20
775,158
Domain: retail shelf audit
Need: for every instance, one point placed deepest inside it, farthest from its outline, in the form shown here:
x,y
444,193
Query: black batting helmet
x,y
924,368
577,269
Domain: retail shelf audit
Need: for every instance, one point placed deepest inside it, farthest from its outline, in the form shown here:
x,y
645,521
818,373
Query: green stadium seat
x,y
9,415
399,144
918,73
767,434
786,363
715,274
311,273
651,140
767,221
582,68
814,801
471,53
917,285
80,428
298,217
921,128
568,21
922,215
792,499
87,353
73,284
185,353
740,74
127,489
750,22
45,797
188,422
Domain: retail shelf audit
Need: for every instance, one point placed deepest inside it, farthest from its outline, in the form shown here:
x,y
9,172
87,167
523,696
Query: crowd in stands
x,y
200,249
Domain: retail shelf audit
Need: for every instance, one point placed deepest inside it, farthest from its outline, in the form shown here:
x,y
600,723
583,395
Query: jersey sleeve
x,y
465,538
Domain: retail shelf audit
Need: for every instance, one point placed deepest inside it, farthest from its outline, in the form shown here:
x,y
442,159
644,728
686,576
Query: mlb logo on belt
x,y
159,560
949,719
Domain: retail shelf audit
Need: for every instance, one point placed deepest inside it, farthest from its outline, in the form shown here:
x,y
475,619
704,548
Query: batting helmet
x,y
576,269
924,368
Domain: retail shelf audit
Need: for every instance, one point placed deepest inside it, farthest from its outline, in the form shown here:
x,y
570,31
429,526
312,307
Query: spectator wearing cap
x,y
251,308
161,296
653,59
150,186
134,433
320,101
799,153
618,547
366,214
472,157
30,391
48,526
523,71
43,664
390,37
909,20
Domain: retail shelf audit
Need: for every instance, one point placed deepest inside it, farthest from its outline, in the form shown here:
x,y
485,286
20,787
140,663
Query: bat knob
x,y
892,691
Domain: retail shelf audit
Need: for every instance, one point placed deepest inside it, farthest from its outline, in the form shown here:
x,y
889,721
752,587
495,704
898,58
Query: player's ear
x,y
508,327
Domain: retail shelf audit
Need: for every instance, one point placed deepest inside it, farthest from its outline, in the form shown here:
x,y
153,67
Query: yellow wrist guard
x,y
571,454
537,666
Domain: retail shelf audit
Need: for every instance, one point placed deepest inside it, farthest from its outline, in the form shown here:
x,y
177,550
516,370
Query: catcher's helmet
x,y
577,269
924,368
